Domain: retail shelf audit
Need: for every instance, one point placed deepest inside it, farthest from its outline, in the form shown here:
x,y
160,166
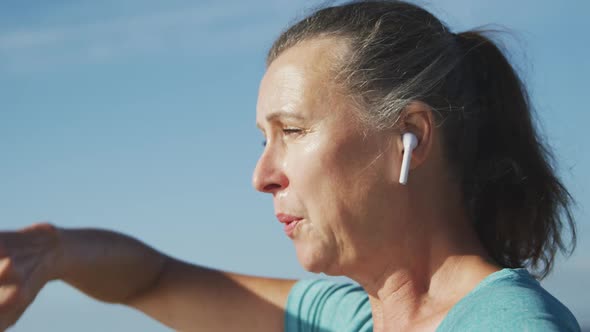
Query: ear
x,y
418,119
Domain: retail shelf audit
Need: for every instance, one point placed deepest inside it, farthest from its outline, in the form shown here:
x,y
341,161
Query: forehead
x,y
300,74
317,55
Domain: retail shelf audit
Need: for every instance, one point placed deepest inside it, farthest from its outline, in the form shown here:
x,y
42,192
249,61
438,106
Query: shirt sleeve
x,y
327,306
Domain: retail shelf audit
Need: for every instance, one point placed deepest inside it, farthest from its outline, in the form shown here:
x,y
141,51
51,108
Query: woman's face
x,y
324,170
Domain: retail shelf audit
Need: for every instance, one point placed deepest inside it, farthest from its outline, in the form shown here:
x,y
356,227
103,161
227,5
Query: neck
x,y
405,300
444,261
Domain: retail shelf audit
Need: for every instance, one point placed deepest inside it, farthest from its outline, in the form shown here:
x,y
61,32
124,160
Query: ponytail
x,y
518,205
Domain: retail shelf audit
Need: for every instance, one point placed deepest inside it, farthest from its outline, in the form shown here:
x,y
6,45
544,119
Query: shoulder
x,y
510,300
326,305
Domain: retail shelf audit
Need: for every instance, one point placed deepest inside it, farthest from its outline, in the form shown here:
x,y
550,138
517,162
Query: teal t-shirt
x,y
507,300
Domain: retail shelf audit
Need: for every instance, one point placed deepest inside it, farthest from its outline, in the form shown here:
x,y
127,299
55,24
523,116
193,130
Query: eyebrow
x,y
281,115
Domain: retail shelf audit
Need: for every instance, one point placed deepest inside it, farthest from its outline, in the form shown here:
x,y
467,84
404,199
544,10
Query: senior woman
x,y
452,249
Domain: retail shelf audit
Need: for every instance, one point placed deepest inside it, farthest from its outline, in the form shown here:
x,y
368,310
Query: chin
x,y
314,260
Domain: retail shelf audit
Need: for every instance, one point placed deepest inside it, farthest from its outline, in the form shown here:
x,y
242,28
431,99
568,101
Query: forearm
x,y
106,265
188,297
116,268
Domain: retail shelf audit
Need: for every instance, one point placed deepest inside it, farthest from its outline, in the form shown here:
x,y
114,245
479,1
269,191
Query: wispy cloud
x,y
203,29
195,29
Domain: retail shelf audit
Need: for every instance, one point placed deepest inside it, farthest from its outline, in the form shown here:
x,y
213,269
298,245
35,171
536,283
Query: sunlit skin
x,y
310,137
411,247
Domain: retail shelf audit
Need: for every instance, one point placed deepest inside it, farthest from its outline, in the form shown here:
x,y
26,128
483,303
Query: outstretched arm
x,y
116,268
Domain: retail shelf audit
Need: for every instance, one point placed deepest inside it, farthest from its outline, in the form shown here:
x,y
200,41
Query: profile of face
x,y
322,165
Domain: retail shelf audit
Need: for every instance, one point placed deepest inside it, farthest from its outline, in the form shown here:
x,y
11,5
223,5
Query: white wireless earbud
x,y
410,142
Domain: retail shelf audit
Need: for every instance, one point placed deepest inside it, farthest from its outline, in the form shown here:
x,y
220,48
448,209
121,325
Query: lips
x,y
290,222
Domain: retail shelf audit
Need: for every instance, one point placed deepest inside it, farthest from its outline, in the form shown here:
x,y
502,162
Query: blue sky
x,y
138,116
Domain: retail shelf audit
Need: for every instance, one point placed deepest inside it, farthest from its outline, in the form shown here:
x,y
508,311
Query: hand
x,y
27,263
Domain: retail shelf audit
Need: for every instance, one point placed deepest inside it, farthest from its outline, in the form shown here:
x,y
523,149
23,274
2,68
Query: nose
x,y
269,176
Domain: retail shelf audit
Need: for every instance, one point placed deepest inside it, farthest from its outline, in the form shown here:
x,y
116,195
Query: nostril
x,y
271,187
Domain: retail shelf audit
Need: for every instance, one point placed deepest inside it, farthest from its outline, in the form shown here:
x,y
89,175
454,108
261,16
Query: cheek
x,y
333,178
330,168
305,166
355,164
334,182
356,182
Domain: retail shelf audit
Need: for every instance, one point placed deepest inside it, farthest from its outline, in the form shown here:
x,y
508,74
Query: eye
x,y
288,131
292,130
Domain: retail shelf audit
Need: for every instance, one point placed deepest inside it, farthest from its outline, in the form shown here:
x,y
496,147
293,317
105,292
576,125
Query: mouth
x,y
290,222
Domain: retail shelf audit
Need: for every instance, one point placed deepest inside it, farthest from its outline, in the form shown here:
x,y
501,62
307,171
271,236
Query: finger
x,y
6,268
4,249
9,285
9,297
7,273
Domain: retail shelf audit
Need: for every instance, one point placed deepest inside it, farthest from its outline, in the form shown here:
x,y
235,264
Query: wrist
x,y
49,238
